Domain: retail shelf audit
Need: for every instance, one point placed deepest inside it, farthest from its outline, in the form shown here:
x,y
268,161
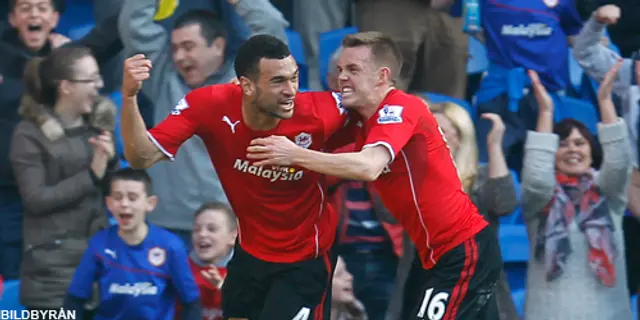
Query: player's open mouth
x,y
346,90
286,105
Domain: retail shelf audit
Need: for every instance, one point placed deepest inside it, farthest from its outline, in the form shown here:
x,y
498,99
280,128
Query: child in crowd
x,y
344,305
140,269
213,235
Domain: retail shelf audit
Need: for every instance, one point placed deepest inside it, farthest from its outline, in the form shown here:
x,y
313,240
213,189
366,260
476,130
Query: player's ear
x,y
152,201
248,87
384,75
232,239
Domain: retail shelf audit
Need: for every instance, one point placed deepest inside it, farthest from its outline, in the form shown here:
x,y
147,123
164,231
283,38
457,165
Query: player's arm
x,y
184,283
142,149
365,165
387,137
139,151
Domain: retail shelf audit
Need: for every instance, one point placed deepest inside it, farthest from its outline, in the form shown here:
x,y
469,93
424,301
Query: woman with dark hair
x,y
574,213
60,153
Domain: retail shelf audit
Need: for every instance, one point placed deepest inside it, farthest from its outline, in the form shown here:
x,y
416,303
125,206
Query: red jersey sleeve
x,y
392,127
181,124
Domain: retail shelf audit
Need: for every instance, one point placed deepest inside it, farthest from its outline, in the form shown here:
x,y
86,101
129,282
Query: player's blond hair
x,y
384,50
466,157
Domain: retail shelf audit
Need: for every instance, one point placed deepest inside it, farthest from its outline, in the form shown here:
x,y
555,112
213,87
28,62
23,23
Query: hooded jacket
x,y
63,204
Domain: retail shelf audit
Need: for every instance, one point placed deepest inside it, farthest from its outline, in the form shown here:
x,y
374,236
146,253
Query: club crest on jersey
x,y
390,114
182,105
157,256
303,140
550,3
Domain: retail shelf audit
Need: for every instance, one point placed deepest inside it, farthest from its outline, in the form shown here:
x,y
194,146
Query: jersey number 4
x,y
434,306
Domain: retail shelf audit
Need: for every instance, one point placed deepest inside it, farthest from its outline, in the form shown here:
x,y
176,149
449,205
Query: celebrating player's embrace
x,y
403,151
281,267
265,141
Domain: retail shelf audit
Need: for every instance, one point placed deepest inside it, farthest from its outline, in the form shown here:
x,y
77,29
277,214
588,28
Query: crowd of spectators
x,y
544,136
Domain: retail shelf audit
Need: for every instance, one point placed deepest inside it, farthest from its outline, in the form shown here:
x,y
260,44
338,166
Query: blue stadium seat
x,y
328,43
478,62
516,216
575,71
634,306
519,299
10,299
514,242
77,13
580,110
297,50
79,31
440,98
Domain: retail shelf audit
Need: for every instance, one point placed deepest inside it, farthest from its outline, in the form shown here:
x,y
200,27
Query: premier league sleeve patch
x,y
390,114
182,105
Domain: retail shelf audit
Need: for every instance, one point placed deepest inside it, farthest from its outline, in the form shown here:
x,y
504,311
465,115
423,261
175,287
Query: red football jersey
x,y
282,212
420,186
210,296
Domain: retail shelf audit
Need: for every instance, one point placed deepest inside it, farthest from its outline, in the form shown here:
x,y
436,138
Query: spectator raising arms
x,y
60,158
140,269
574,213
192,55
214,235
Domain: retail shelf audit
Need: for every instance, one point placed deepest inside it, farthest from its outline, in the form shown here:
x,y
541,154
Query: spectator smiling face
x,y
34,20
83,87
574,155
198,43
68,79
214,232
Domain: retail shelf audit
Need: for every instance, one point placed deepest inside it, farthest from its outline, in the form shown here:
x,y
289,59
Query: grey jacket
x,y
597,60
63,205
184,184
577,294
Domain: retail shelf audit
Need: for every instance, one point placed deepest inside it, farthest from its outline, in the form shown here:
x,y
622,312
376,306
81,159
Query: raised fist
x,y
608,14
136,70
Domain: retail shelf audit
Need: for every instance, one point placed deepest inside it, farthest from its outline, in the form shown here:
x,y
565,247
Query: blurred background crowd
x,y
563,196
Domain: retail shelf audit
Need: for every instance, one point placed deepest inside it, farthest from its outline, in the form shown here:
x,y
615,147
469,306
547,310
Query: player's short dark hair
x,y
211,26
384,50
255,49
58,5
130,174
222,207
